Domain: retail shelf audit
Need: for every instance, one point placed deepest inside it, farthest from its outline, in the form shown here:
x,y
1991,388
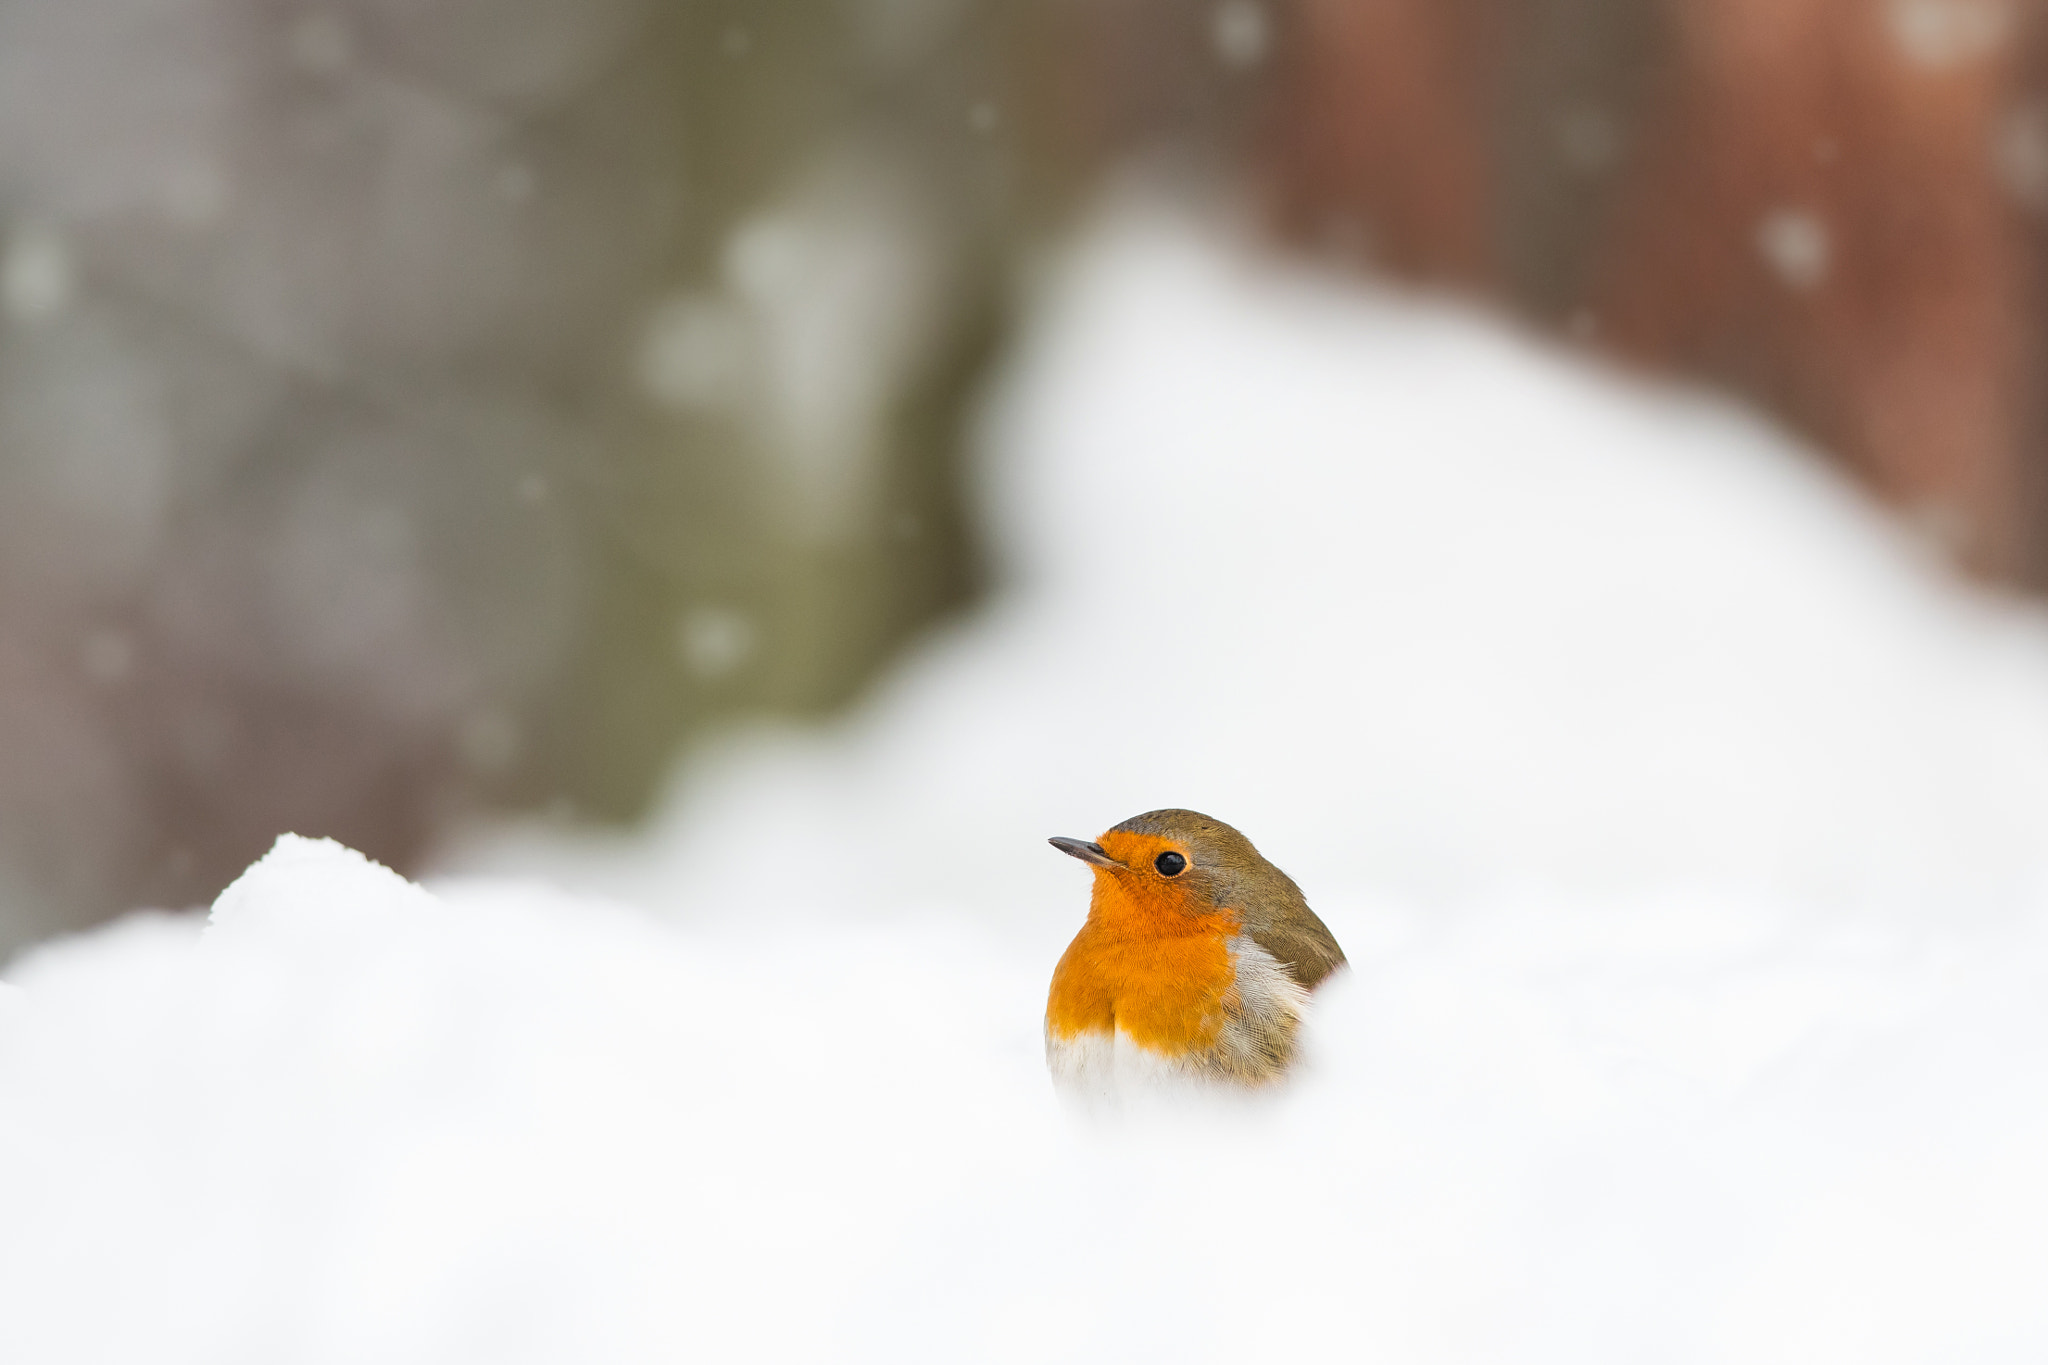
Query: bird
x,y
1195,963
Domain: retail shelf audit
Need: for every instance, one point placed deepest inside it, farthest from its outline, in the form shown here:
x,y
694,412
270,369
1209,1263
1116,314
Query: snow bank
x,y
1700,1008
355,1121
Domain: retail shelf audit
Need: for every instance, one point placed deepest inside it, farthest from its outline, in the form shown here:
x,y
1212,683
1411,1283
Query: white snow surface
x,y
1683,824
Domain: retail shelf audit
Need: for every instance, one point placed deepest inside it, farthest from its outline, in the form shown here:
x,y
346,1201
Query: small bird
x,y
1196,961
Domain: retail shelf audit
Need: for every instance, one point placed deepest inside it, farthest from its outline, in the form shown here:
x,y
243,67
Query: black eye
x,y
1170,864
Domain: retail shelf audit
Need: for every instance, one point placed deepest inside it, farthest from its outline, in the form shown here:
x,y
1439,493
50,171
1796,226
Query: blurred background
x,y
416,410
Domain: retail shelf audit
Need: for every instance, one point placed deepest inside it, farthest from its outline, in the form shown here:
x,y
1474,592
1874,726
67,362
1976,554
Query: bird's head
x,y
1168,871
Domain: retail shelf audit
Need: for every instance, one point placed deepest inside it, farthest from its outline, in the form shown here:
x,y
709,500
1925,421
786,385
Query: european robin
x,y
1196,961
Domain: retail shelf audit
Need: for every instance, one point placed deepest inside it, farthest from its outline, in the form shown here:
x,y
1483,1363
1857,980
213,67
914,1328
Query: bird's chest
x,y
1124,1017
1171,996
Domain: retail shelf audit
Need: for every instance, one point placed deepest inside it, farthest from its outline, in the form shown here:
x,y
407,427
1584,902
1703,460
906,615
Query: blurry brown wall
x,y
1833,206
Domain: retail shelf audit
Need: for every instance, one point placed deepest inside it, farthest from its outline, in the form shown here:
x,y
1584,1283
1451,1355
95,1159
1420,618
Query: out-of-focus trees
x,y
405,406
412,406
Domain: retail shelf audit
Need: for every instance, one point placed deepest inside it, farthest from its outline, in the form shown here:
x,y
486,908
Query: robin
x,y
1197,960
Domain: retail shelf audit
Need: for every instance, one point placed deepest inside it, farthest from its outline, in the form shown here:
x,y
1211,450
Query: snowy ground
x,y
1683,825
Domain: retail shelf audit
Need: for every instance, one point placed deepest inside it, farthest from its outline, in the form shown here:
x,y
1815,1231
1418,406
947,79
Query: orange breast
x,y
1155,967
1169,996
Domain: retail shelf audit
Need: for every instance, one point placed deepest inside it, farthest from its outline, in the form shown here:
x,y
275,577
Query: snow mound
x,y
1681,826
1422,607
354,1121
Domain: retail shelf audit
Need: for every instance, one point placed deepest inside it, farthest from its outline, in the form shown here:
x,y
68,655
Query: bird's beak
x,y
1086,852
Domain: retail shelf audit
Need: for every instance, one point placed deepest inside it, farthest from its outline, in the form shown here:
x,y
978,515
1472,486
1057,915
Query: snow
x,y
1681,821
